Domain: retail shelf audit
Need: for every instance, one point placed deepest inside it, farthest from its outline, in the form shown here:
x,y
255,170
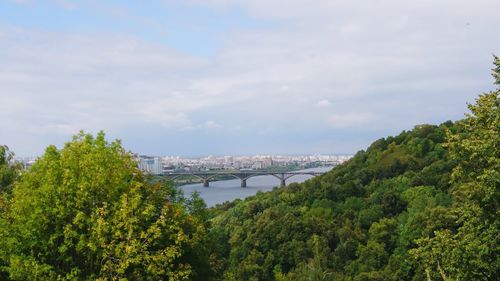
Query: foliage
x,y
496,71
87,213
9,172
470,249
364,214
9,169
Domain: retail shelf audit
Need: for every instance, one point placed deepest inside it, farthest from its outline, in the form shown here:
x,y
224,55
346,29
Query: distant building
x,y
151,165
257,165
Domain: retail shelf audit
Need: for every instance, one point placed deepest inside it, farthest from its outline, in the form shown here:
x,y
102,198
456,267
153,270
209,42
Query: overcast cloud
x,y
239,77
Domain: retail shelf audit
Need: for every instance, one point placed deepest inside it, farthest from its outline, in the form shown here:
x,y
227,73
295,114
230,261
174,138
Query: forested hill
x,y
356,221
393,212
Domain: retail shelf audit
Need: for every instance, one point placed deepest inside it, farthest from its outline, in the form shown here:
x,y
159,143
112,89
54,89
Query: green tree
x,y
86,212
470,250
9,170
496,70
9,173
315,269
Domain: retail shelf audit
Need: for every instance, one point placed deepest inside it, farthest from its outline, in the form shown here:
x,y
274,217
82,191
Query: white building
x,y
151,165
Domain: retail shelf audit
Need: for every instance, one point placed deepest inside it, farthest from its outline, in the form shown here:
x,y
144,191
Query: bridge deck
x,y
205,177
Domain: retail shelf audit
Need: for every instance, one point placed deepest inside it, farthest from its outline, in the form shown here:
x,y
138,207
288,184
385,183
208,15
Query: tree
x,y
9,173
313,270
9,170
86,212
470,250
496,70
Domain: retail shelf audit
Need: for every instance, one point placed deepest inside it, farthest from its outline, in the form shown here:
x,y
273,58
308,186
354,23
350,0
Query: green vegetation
x,y
355,223
87,213
9,170
423,205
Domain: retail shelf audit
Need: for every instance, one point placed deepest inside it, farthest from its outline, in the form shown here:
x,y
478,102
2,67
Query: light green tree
x,y
86,212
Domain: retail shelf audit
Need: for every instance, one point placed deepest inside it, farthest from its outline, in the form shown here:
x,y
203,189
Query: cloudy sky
x,y
218,77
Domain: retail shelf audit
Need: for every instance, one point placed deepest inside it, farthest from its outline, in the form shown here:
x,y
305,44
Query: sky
x,y
222,77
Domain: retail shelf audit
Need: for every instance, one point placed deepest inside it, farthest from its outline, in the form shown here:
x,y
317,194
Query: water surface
x,y
228,190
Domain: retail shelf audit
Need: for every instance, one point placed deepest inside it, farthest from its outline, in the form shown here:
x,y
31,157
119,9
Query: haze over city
x,y
218,77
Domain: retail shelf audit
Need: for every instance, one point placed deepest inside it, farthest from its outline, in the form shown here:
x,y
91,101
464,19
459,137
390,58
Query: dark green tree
x,y
9,172
9,169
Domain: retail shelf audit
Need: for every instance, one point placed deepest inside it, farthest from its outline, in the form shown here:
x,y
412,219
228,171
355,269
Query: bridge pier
x,y
205,183
283,183
243,183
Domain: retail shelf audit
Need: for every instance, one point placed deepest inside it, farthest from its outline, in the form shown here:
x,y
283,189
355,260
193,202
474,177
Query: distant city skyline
x,y
158,165
222,77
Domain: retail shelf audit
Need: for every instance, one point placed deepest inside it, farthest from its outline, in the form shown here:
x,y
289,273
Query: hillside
x,y
359,219
390,213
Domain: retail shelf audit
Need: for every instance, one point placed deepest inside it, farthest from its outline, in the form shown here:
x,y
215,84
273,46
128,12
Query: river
x,y
228,190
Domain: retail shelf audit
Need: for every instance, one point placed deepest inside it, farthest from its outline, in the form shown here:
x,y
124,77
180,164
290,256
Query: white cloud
x,y
61,128
323,103
348,120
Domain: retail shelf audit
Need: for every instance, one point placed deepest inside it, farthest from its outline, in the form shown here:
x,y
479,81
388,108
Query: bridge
x,y
205,177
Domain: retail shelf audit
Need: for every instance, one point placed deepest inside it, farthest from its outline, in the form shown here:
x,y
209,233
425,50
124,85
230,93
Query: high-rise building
x,y
151,165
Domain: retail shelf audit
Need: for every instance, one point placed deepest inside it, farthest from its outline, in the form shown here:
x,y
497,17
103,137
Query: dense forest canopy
x,y
422,205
